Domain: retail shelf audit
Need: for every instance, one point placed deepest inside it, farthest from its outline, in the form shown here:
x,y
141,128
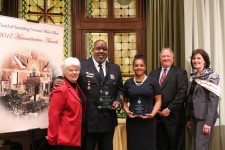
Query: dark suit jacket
x,y
90,81
205,104
174,90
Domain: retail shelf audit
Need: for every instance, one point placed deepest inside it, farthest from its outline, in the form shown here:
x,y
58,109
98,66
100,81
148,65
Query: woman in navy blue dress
x,y
144,97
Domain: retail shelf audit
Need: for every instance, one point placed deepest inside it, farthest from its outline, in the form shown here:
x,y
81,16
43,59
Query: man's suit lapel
x,y
108,70
158,74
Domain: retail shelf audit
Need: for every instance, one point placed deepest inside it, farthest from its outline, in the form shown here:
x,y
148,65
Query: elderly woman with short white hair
x,y
66,109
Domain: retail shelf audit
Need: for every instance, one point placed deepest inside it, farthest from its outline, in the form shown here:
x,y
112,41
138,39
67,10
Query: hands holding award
x,y
139,109
139,92
130,114
142,101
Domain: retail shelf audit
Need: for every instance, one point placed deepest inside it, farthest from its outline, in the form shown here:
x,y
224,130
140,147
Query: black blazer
x,y
90,82
174,90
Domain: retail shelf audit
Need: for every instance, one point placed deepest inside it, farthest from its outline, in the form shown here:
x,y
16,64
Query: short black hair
x,y
138,56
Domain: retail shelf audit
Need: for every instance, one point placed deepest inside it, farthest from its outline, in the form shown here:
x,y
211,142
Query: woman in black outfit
x,y
144,96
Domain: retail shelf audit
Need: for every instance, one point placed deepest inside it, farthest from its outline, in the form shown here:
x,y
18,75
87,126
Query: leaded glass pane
x,y
118,60
125,68
50,11
117,46
91,38
96,8
124,52
125,8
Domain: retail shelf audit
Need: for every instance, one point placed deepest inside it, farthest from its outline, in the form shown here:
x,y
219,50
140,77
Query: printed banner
x,y
31,55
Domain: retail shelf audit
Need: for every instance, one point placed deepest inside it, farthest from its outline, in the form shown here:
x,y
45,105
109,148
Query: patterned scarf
x,y
209,80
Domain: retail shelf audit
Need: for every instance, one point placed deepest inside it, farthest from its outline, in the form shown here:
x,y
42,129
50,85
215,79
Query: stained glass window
x,y
91,38
124,8
124,49
50,11
121,8
96,8
124,52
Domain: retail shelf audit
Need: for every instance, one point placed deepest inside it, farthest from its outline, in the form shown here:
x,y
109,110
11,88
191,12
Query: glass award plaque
x,y
138,107
105,99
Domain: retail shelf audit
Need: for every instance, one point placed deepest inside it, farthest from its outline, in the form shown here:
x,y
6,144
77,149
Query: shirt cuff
x,y
168,109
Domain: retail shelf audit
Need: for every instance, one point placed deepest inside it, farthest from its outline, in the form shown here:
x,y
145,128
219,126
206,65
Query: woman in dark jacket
x,y
203,97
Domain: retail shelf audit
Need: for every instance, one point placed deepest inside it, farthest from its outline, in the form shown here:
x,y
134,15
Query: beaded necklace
x,y
140,83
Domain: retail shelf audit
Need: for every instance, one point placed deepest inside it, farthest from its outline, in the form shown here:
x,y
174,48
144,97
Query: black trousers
x,y
180,143
166,136
103,140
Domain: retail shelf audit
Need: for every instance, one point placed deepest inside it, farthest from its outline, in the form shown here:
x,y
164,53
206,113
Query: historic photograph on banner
x,y
31,56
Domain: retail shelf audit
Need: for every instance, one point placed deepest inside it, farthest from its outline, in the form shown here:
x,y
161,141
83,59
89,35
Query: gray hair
x,y
167,48
70,61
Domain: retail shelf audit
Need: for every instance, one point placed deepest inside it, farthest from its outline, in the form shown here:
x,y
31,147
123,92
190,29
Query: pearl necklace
x,y
138,84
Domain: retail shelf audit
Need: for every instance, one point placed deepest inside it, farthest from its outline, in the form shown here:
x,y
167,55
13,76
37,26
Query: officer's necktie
x,y
101,71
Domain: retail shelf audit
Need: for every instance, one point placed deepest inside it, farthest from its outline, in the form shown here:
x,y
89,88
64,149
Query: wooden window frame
x,y
110,14
82,25
111,43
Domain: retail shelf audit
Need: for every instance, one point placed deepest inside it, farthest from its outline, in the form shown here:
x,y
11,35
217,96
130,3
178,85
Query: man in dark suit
x,y
102,84
171,117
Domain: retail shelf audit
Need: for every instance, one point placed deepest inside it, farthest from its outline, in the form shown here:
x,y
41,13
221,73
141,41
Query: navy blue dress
x,y
141,134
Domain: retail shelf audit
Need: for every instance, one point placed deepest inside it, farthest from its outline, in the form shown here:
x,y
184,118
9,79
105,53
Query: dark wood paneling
x,y
26,138
111,25
10,8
